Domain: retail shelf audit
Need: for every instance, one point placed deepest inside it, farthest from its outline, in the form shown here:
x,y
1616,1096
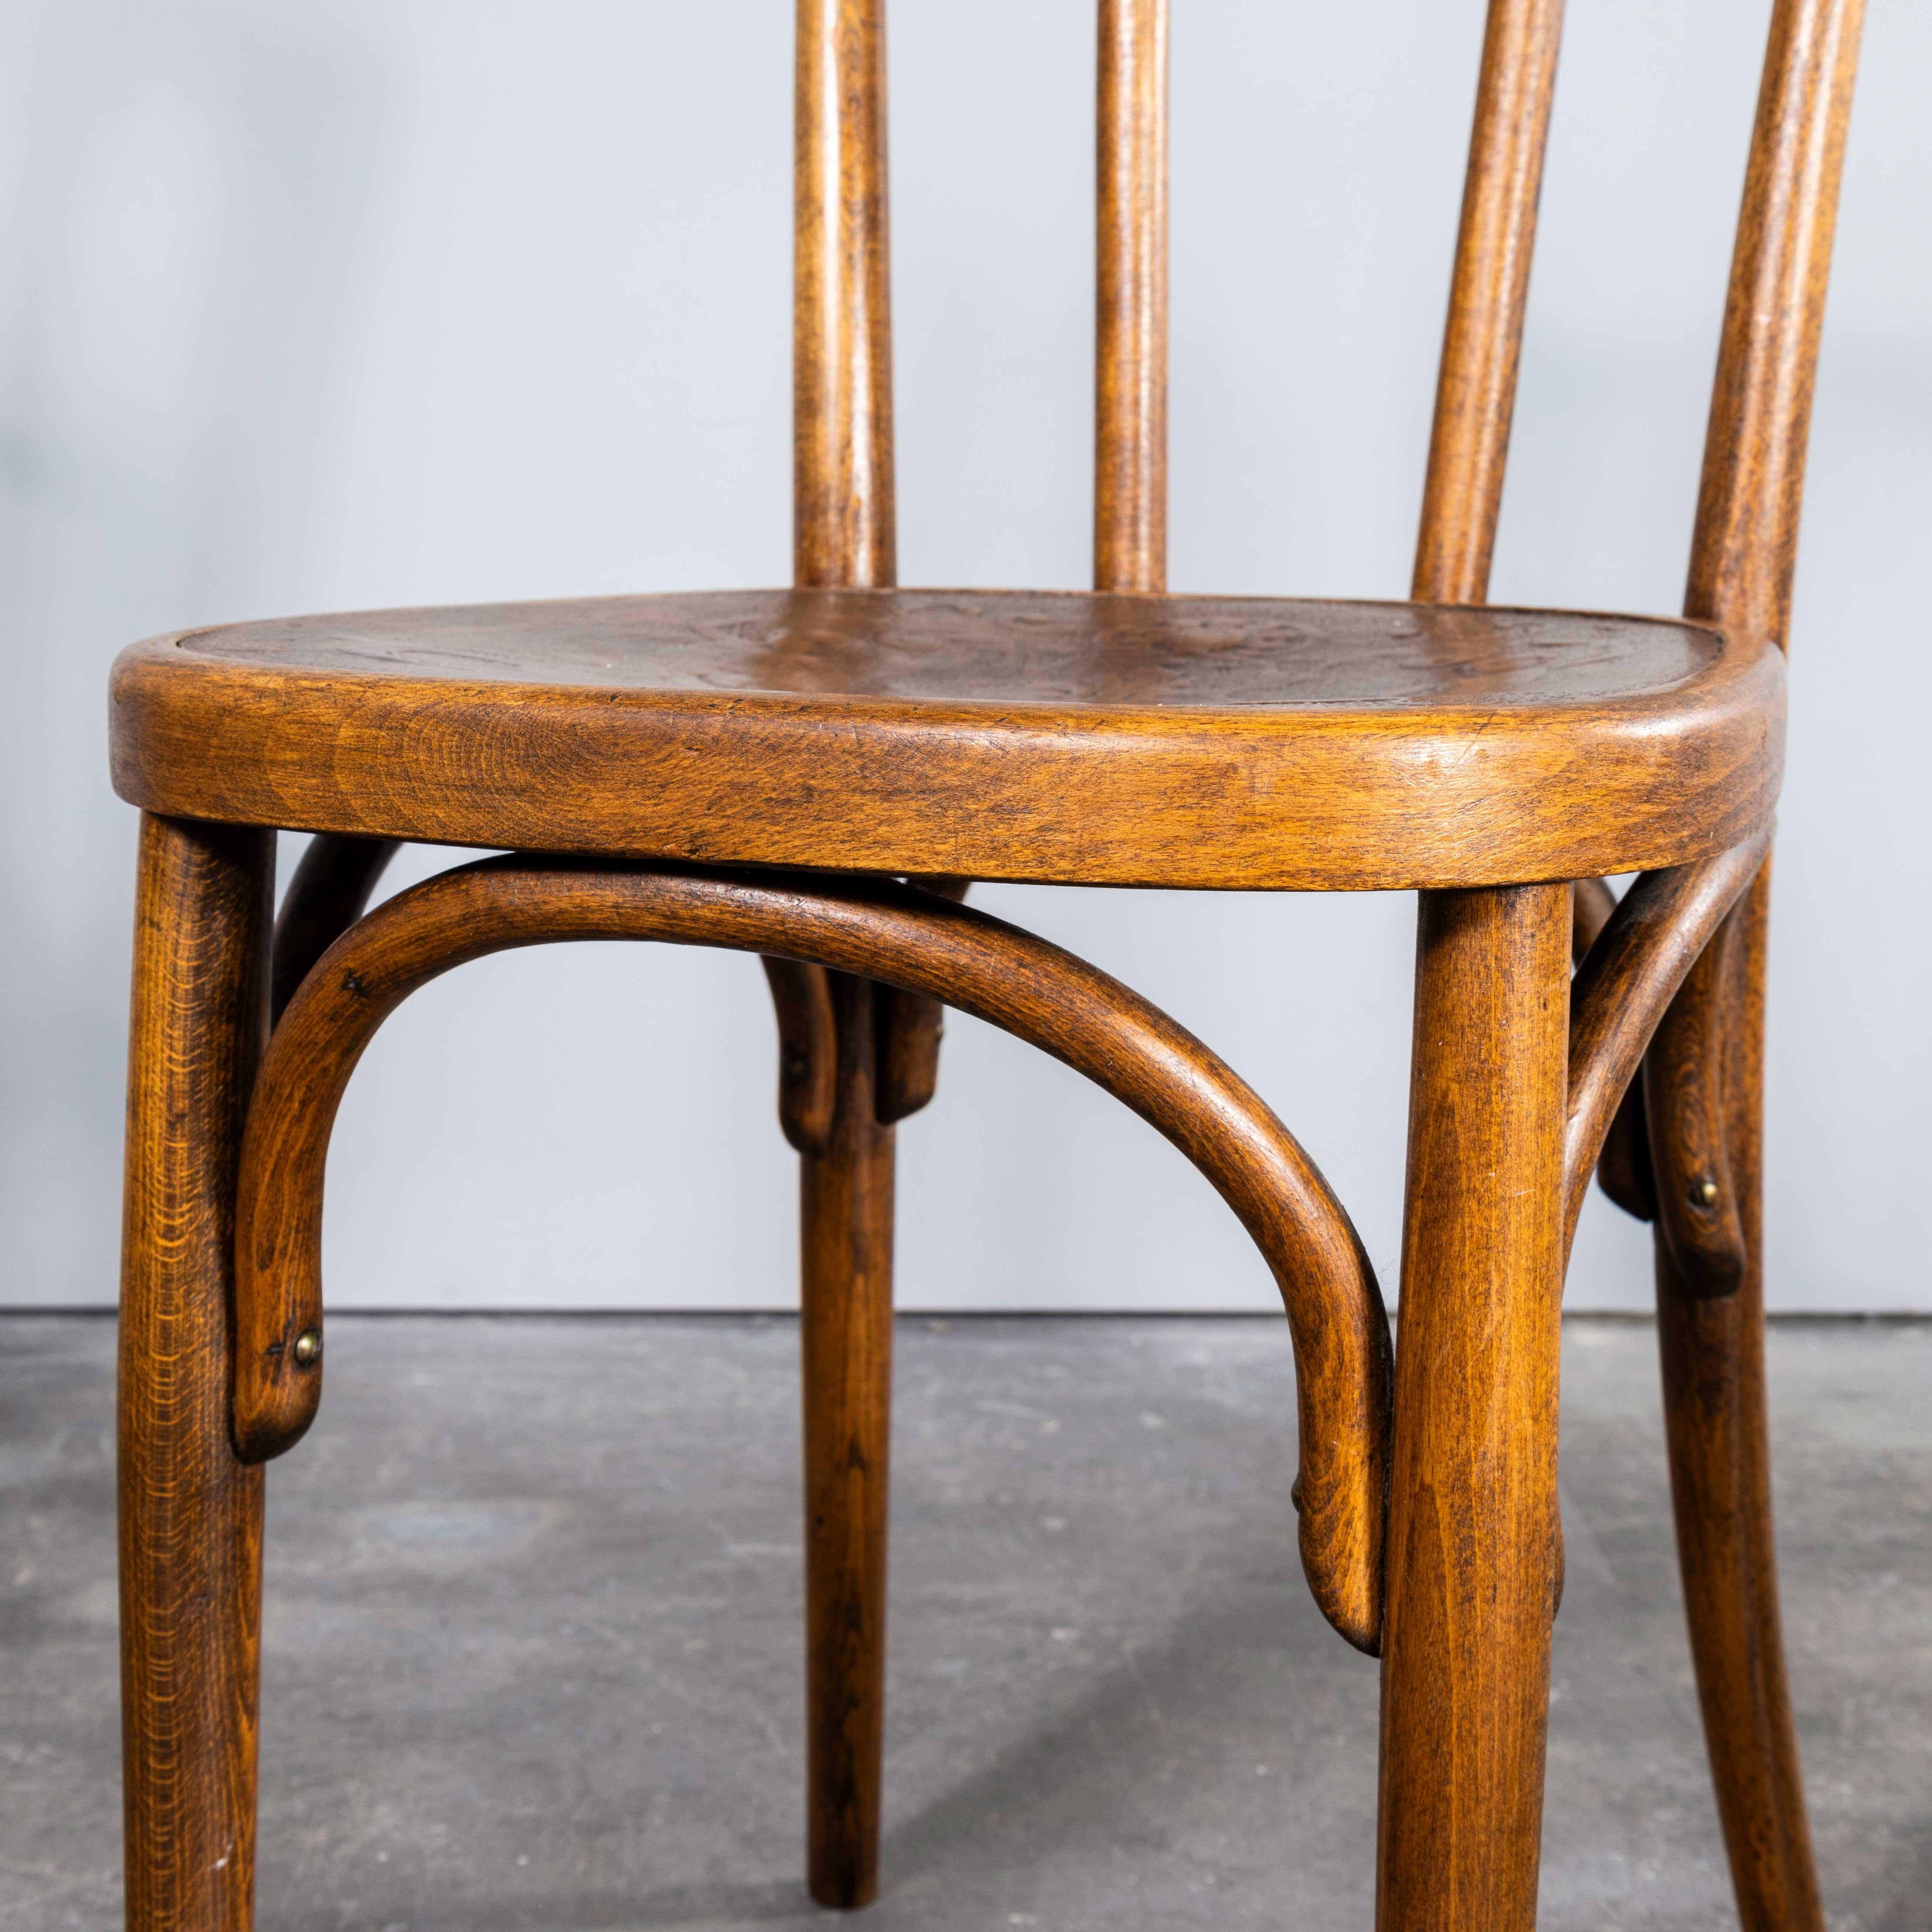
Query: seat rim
x,y
1282,796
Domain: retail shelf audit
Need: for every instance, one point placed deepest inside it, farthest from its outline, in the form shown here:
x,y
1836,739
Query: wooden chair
x,y
812,774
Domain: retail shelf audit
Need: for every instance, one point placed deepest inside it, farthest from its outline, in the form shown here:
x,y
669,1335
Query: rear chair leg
x,y
1472,1535
1713,1360
847,1337
190,1515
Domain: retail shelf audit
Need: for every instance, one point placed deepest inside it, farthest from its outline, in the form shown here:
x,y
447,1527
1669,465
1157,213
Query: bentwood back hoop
x,y
813,774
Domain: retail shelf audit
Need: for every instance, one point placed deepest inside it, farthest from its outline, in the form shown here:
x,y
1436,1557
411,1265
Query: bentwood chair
x,y
813,774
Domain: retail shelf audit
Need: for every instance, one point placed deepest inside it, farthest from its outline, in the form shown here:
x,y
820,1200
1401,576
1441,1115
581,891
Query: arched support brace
x,y
331,887
1623,1168
1644,954
328,893
882,930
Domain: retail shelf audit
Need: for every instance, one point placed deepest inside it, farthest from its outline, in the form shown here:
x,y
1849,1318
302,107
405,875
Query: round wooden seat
x,y
1119,739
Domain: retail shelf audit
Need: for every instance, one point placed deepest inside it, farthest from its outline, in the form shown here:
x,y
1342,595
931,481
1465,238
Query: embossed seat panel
x,y
1077,737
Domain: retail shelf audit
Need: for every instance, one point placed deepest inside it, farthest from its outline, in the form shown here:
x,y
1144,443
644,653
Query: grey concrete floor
x,y
532,1649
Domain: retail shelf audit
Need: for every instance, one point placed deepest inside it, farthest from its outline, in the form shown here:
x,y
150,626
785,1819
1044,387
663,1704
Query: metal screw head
x,y
1703,1194
308,1348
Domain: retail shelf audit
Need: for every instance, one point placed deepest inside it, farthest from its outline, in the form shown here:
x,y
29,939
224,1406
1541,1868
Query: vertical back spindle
x,y
1745,545
1130,385
843,514
1475,394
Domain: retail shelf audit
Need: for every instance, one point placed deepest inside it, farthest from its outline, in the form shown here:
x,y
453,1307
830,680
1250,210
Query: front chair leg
x,y
190,1514
1472,1531
847,1340
1710,1328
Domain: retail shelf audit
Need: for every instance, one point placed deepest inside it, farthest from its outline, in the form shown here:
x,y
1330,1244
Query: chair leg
x,y
847,1336
1473,1518
1713,1362
190,1515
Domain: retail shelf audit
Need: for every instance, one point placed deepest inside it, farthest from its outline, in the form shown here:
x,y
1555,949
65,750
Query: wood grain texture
x,y
328,893
1475,393
1647,949
808,1053
843,501
190,1513
1698,1219
885,931
1130,360
846,1337
1591,903
1623,1167
910,1028
1219,743
1715,1421
843,513
1743,556
1472,1535
1744,550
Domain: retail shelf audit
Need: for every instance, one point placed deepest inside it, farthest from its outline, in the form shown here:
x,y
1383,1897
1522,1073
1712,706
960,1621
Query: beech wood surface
x,y
1714,1419
190,1512
1744,551
808,1053
1473,1532
1208,742
1697,1210
1647,948
846,1338
882,931
843,506
830,1098
1462,1729
328,893
1475,390
1130,335
910,1026
1124,737
1623,1166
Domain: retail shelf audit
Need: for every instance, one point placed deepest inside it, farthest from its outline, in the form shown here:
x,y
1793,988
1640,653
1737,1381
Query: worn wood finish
x,y
1219,742
846,1336
1713,1362
1472,1535
1698,1217
1745,548
1647,948
910,1026
1124,737
882,931
808,1053
1591,903
1743,554
1475,393
1130,362
327,896
843,502
190,1513
1623,1166
844,535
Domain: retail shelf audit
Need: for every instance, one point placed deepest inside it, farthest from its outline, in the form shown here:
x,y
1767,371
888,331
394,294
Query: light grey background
x,y
329,303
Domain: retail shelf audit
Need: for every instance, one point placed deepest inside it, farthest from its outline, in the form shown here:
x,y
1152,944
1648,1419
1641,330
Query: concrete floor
x,y
533,1636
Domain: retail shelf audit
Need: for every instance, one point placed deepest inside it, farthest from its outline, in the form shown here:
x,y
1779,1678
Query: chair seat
x,y
1207,742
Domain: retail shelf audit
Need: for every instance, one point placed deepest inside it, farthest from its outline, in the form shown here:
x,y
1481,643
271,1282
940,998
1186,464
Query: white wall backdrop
x,y
334,303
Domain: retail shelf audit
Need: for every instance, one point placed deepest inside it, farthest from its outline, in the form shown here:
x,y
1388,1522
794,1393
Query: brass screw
x,y
308,1348
1703,1194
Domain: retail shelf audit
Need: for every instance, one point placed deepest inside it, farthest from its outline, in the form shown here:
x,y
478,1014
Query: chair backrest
x,y
1744,544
